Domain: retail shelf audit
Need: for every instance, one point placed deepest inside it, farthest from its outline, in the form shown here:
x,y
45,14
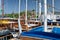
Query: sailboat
x,y
31,23
4,24
42,32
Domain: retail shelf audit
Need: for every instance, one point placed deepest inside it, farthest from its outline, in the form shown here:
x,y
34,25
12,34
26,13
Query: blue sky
x,y
0,2
31,4
56,3
13,5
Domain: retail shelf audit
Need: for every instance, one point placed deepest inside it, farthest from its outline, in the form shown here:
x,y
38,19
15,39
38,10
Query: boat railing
x,y
5,37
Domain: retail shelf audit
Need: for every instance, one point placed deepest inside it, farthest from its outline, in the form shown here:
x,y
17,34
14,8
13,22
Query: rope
x,y
53,7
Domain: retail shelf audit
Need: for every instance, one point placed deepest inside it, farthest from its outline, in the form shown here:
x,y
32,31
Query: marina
x,y
29,20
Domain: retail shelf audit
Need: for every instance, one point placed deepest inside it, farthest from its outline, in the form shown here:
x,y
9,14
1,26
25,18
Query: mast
x,y
45,15
36,9
39,8
2,4
19,25
26,13
53,7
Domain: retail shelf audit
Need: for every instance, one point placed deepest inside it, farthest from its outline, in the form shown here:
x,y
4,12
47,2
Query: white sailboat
x,y
26,23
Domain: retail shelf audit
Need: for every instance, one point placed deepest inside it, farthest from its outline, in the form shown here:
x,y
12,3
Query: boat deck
x,y
27,38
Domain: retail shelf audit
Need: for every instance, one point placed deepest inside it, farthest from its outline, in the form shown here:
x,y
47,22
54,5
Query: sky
x,y
0,2
13,5
32,4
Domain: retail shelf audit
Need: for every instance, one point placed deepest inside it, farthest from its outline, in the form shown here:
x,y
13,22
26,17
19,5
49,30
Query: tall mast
x,y
39,8
53,7
19,25
26,13
2,4
45,15
36,9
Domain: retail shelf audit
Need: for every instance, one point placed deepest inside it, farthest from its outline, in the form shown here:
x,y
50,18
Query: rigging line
x,y
49,11
53,7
